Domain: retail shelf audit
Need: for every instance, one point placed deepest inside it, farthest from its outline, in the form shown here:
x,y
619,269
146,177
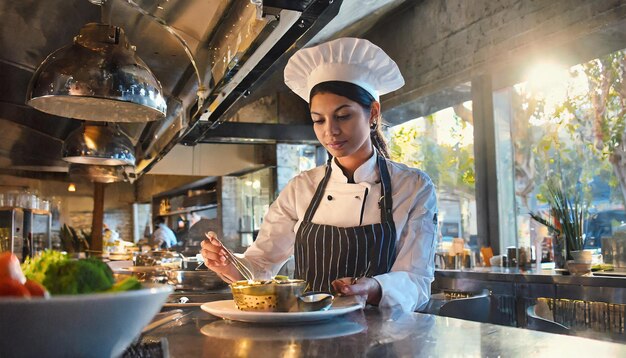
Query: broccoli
x,y
75,277
62,276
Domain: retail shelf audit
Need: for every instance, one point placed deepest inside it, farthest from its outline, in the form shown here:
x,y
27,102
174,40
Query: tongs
x,y
237,262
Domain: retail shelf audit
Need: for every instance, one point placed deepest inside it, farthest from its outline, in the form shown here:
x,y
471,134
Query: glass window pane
x,y
567,129
442,145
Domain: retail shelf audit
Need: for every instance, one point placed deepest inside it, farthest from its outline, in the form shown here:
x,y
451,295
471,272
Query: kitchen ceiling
x,y
236,46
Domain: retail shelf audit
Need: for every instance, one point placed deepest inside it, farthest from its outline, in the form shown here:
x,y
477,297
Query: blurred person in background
x,y
163,236
198,226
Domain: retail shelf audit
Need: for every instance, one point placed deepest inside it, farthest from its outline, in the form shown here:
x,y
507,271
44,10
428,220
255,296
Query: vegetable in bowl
x,y
13,282
59,275
64,323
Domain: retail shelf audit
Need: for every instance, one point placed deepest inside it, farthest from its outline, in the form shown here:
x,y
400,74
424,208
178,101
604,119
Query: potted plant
x,y
72,242
566,221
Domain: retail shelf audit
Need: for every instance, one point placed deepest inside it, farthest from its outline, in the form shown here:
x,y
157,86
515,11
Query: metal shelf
x,y
34,211
188,209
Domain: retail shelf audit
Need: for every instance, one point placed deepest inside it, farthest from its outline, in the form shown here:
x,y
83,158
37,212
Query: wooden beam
x,y
98,217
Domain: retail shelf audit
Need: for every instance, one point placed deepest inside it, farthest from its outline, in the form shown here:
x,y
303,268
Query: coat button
x,y
329,197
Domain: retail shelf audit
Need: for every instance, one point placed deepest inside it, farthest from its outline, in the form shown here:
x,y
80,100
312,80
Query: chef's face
x,y
342,125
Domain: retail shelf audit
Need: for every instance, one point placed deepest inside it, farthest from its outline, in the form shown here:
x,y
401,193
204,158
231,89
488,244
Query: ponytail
x,y
378,140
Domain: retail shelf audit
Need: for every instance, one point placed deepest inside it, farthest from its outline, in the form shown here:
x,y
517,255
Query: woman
x,y
361,225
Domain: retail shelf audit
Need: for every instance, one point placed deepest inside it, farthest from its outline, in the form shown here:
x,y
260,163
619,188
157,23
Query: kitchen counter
x,y
513,291
534,275
533,284
371,332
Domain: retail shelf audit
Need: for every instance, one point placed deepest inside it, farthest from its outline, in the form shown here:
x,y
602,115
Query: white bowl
x,y
89,325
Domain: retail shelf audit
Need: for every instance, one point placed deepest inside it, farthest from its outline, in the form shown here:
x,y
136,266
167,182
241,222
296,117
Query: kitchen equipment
x,y
100,145
614,250
154,274
194,280
170,259
315,301
268,296
102,173
89,325
446,260
37,231
97,78
12,232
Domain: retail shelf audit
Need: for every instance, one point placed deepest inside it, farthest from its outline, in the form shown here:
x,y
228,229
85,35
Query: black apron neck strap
x,y
319,193
385,202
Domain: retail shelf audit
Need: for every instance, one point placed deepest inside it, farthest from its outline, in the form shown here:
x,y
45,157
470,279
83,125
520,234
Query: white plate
x,y
228,310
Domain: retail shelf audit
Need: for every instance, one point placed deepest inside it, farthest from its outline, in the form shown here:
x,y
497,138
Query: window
x,y
442,145
564,126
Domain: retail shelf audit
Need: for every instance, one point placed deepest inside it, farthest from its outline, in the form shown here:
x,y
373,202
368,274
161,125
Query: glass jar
x,y
44,204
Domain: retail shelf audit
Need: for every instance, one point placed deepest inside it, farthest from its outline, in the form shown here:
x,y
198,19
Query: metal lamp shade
x,y
98,173
97,78
98,145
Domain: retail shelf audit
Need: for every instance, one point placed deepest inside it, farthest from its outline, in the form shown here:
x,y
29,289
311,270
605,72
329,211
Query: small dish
x,y
315,301
578,268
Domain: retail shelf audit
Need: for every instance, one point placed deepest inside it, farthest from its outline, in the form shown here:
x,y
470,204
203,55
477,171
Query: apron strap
x,y
385,203
319,193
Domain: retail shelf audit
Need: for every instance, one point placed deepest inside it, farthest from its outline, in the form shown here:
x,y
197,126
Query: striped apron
x,y
324,253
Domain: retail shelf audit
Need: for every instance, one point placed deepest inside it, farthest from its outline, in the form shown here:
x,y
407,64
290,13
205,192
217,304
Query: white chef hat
x,y
347,59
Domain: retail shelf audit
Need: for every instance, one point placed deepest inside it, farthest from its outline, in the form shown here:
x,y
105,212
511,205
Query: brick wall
x,y
120,220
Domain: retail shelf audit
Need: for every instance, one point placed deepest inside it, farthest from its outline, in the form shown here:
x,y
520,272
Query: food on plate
x,y
267,296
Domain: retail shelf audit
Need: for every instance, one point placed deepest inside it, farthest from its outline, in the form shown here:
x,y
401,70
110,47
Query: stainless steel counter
x,y
505,274
514,290
371,333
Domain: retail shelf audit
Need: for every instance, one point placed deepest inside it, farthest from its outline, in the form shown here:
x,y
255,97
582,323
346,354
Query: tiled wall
x,y
120,220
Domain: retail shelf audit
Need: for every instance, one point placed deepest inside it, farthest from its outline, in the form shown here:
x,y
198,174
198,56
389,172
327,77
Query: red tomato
x,y
11,287
10,267
36,289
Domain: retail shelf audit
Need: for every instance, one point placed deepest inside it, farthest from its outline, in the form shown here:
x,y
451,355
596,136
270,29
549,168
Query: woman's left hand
x,y
364,286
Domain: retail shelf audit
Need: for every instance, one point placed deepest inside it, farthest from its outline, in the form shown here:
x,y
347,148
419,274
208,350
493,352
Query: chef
x,y
361,224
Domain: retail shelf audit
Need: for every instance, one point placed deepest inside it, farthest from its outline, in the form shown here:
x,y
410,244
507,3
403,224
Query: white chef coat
x,y
414,214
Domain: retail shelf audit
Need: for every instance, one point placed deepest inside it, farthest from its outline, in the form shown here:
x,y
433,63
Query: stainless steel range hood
x,y
234,43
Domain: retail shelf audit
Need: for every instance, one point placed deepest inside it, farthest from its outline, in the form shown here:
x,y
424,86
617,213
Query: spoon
x,y
315,301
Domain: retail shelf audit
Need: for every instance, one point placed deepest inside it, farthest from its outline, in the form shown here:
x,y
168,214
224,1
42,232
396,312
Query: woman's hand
x,y
215,259
364,286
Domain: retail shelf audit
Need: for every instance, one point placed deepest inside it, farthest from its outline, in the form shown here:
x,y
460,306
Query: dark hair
x,y
362,97
159,220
